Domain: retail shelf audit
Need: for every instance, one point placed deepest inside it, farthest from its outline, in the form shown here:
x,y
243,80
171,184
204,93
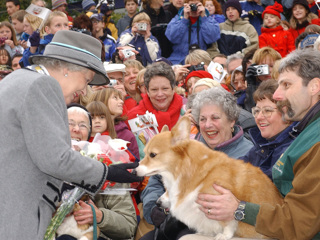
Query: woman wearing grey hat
x,y
35,151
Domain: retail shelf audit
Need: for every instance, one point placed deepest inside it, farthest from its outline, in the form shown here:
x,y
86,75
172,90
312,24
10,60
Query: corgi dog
x,y
70,226
188,168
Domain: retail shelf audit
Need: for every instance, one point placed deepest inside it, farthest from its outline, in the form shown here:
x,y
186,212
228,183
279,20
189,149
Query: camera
x,y
196,67
127,53
24,36
142,26
193,7
112,83
2,40
262,70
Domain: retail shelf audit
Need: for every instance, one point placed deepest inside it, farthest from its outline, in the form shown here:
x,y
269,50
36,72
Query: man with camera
x,y
191,26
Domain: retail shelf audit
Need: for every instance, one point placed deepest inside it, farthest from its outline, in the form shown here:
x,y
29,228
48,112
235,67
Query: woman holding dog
x,y
35,147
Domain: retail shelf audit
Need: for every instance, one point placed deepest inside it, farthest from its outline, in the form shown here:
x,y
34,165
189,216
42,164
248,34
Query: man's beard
x,y
288,112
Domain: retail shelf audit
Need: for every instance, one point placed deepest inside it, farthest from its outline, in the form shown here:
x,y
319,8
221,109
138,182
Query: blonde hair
x,y
262,53
132,63
275,73
34,22
293,21
138,83
279,20
198,56
52,15
142,16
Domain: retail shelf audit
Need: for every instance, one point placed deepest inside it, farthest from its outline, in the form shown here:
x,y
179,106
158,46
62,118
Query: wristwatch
x,y
239,213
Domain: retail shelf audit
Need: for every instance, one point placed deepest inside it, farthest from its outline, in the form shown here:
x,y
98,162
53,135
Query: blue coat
x,y
178,33
253,11
264,154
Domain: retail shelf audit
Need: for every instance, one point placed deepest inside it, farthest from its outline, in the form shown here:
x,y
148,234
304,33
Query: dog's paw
x,y
221,236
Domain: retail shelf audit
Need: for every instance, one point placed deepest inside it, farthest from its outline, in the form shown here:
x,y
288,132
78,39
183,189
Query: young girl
x,y
215,10
9,40
139,35
56,21
101,120
273,35
5,58
301,17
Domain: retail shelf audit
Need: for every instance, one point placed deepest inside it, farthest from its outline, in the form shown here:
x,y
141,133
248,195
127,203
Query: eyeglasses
x,y
266,111
82,126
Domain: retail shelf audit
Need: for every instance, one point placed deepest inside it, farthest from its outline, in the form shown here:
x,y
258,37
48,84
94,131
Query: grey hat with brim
x,y
79,49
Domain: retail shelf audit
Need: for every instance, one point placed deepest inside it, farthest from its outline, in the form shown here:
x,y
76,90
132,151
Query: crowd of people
x,y
246,73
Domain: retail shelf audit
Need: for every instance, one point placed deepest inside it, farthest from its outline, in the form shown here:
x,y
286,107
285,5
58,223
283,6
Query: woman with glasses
x,y
271,136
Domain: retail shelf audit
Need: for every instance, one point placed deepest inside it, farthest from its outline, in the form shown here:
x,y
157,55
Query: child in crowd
x,y
101,120
301,17
273,35
8,39
139,35
17,23
99,32
215,10
252,9
56,21
5,58
123,23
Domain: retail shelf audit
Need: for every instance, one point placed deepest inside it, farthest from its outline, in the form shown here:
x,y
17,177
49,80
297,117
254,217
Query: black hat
x,y
303,3
233,3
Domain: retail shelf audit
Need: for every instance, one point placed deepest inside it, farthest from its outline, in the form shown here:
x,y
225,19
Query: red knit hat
x,y
275,9
199,73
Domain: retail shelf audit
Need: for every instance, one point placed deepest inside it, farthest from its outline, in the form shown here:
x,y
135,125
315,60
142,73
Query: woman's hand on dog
x,y
218,207
85,215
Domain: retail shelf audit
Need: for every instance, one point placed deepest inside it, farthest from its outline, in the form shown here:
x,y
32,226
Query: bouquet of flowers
x,y
104,149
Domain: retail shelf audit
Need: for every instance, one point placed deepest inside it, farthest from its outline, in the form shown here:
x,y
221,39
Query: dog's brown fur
x,y
174,154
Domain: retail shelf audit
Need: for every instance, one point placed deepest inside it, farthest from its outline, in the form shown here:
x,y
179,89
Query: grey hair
x,y
159,69
52,63
232,57
305,63
219,97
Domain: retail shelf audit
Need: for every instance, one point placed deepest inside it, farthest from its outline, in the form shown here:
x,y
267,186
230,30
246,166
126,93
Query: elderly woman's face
x,y
160,93
74,84
214,125
79,126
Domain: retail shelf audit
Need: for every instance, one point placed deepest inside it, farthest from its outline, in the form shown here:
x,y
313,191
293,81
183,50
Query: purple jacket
x,y
124,133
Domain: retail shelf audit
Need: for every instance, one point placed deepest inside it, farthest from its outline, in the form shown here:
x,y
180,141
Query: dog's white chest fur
x,y
70,227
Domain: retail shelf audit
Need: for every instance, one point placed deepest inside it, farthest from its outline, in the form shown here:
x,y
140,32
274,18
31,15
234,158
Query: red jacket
x,y
277,38
296,32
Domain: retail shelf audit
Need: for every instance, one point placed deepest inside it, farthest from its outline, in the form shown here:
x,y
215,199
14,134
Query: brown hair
x,y
135,1
217,6
13,32
141,16
138,83
97,108
266,90
19,15
103,95
293,21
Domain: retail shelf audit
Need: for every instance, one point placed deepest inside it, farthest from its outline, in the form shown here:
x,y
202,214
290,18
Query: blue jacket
x,y
253,11
218,17
178,33
109,45
264,154
141,45
43,43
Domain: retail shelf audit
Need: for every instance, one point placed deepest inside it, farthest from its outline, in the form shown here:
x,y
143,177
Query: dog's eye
x,y
152,155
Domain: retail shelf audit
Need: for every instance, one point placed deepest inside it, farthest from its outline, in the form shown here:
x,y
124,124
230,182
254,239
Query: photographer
x,y
191,26
260,70
139,35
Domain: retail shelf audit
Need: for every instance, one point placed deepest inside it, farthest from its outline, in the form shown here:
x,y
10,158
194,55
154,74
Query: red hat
x,y
199,73
275,9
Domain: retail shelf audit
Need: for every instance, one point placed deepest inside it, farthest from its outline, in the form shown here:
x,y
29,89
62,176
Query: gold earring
x,y
232,129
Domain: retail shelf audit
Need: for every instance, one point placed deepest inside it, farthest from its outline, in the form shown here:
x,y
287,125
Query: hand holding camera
x,y
194,10
3,40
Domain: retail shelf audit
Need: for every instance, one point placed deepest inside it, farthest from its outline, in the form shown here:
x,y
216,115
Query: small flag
x,y
37,11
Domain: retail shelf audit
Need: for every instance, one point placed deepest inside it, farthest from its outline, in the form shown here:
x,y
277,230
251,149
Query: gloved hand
x,y
35,39
118,173
158,216
104,8
251,74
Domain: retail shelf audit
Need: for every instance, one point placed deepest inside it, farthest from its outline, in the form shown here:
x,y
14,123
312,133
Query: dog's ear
x,y
181,131
165,128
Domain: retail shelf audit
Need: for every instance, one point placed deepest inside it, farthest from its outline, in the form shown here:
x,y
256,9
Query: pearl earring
x,y
66,75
